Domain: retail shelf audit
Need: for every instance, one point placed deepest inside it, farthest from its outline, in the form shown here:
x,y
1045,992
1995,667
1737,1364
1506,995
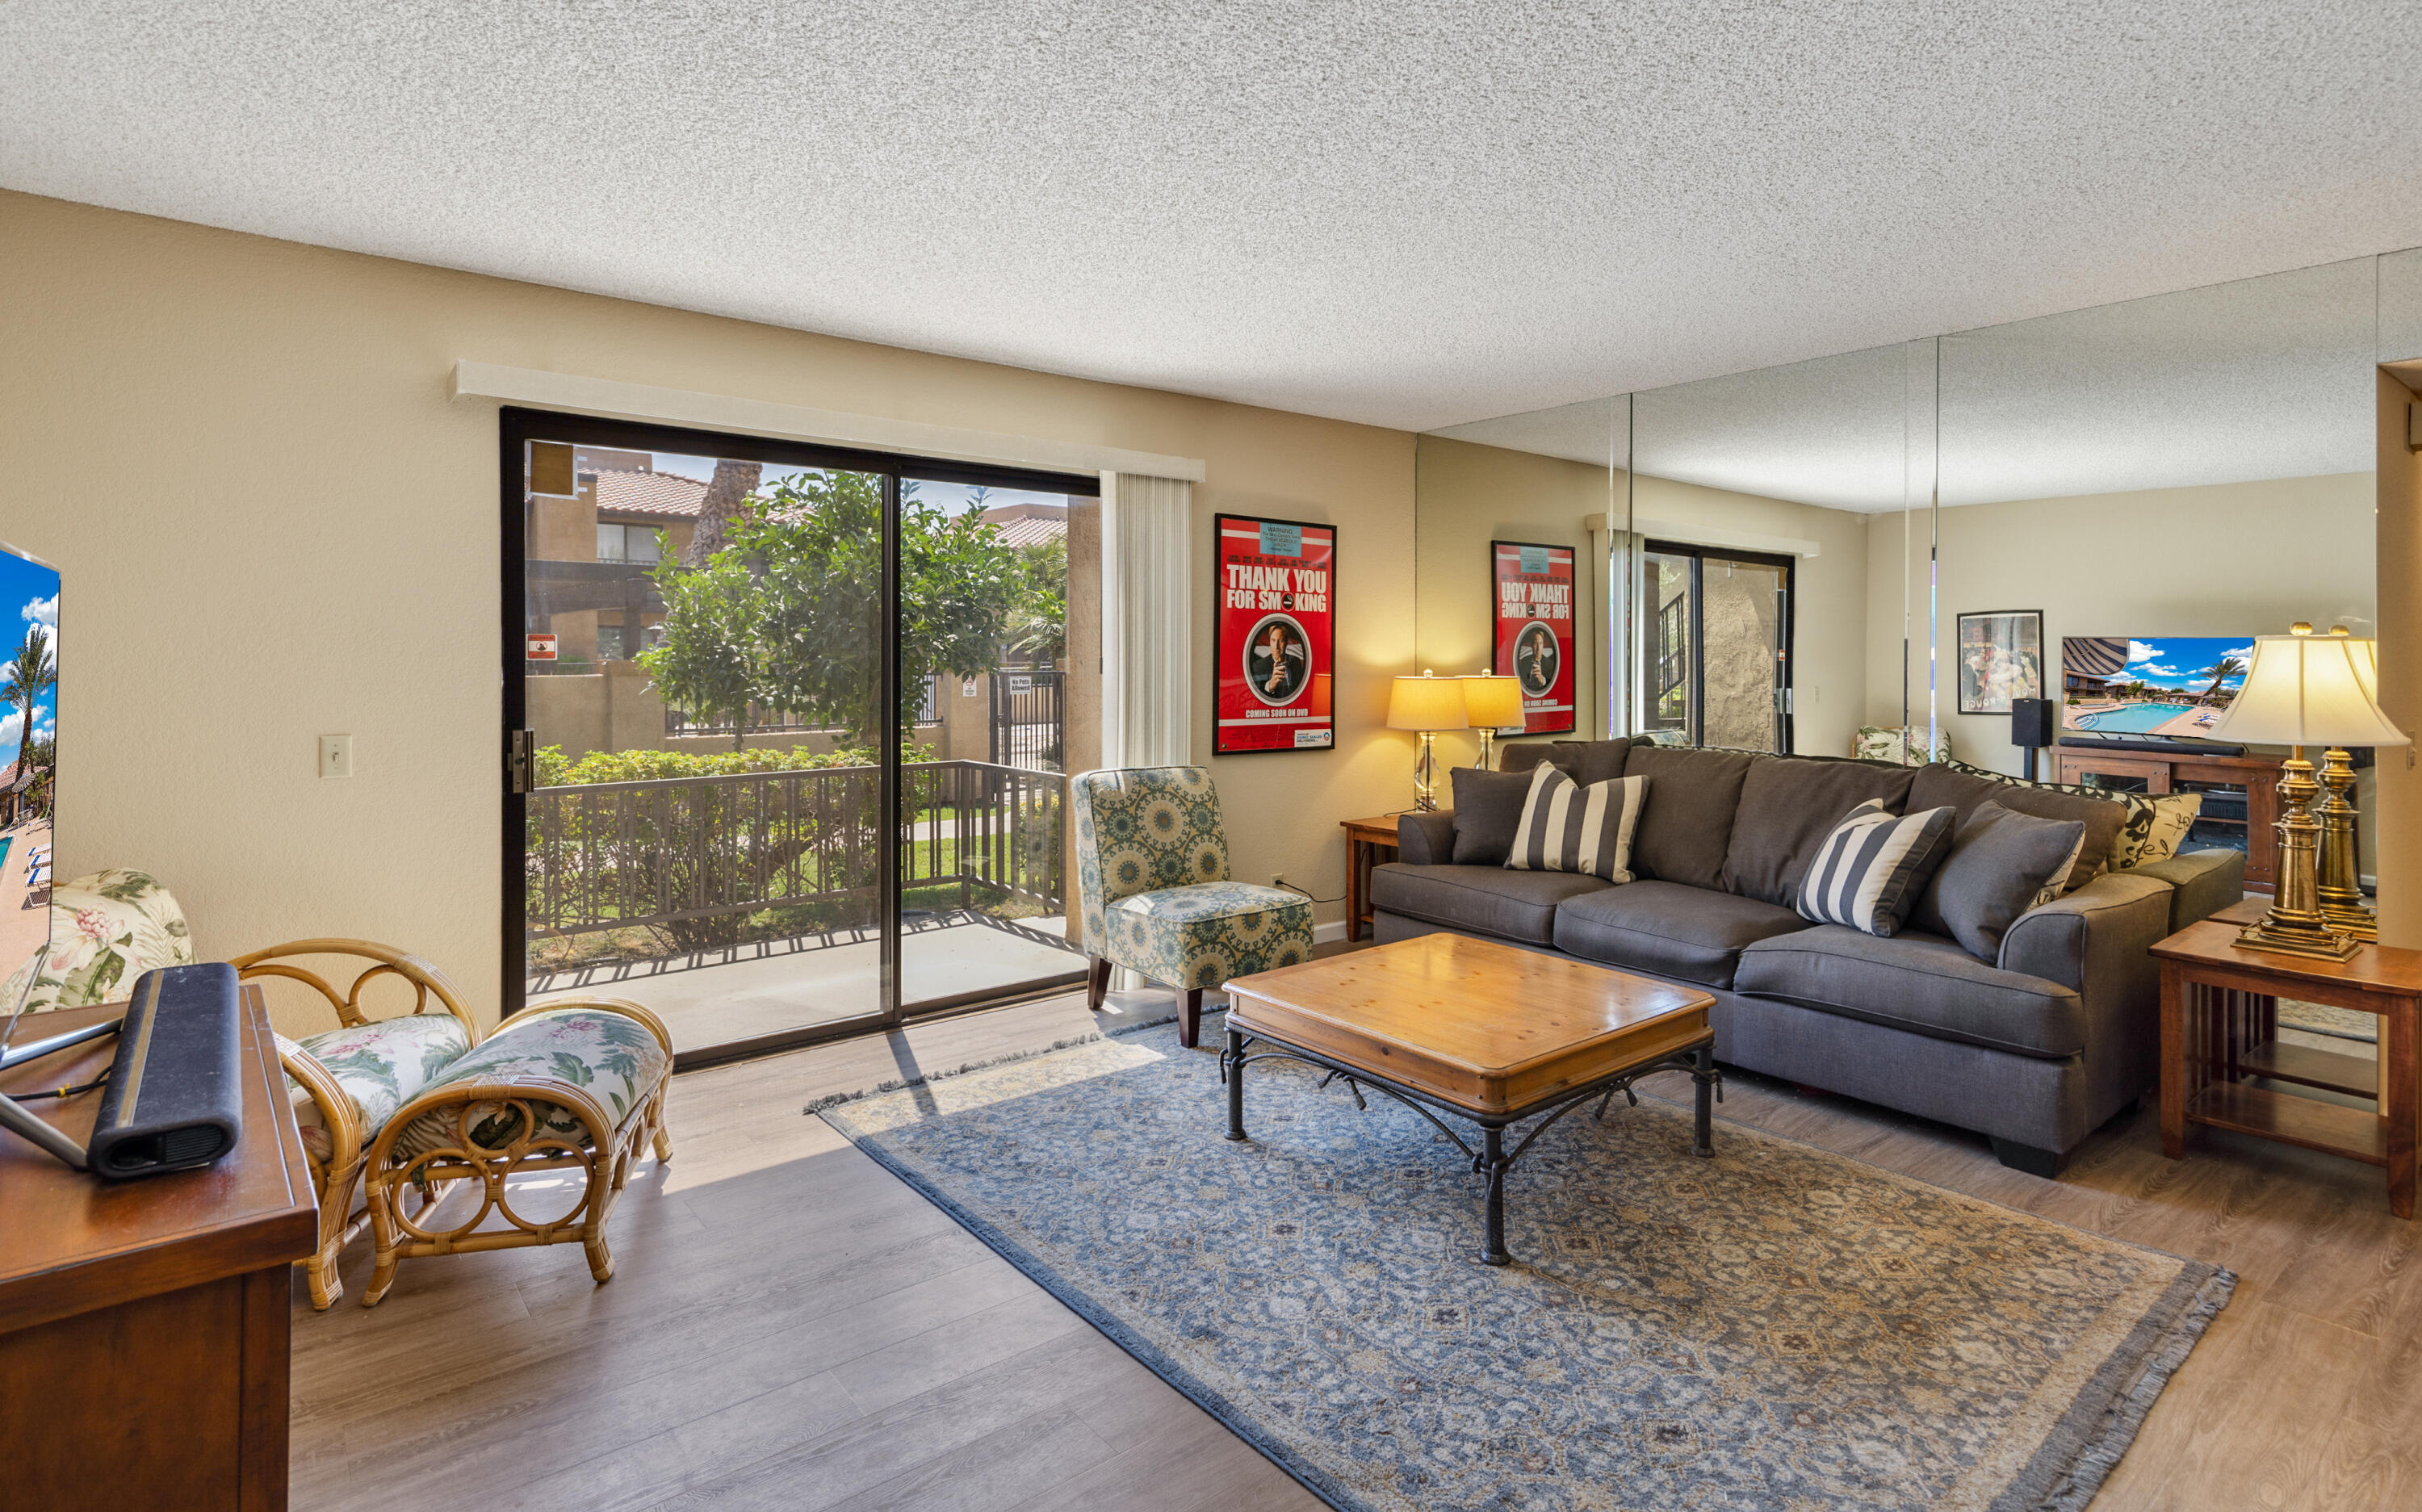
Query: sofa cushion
x,y
381,1065
1874,865
1530,754
1688,824
1584,761
1488,900
1964,787
1488,807
1568,828
1693,934
1787,805
1920,983
2001,865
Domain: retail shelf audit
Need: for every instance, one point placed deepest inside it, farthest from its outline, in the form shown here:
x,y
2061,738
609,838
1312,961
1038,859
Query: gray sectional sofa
x,y
2034,1049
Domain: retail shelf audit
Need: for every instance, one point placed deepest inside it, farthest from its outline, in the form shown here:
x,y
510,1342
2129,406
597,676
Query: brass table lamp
x,y
2302,689
2341,883
1423,704
1491,703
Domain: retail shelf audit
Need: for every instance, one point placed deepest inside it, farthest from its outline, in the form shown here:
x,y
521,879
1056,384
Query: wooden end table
x,y
2220,1032
1480,1031
1364,839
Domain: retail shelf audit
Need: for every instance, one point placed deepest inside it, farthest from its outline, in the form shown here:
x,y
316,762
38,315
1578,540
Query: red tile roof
x,y
667,495
1023,524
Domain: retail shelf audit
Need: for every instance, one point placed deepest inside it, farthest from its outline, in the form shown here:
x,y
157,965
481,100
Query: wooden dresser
x,y
143,1324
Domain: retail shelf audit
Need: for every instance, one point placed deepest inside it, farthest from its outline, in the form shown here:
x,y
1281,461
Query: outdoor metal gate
x,y
1030,717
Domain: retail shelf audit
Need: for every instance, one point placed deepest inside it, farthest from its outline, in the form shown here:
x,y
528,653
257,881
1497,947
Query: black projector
x,y
174,1101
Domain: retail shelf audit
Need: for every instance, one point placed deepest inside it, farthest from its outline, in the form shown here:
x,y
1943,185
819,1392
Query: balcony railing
x,y
697,855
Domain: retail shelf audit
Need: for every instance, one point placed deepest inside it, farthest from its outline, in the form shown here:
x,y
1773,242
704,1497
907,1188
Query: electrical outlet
x,y
336,755
1278,879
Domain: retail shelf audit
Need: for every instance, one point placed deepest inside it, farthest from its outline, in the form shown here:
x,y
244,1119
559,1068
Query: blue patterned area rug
x,y
1777,1326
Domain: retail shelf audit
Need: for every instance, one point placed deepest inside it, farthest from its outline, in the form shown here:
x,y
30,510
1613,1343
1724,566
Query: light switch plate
x,y
336,755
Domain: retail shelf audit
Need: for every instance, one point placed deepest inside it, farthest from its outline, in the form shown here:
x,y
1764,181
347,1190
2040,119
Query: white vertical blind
x,y
1147,621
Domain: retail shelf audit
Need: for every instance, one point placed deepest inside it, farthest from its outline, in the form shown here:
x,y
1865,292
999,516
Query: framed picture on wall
x,y
1532,634
1275,653
2001,659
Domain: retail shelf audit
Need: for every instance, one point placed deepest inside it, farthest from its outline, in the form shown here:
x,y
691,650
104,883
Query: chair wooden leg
x,y
1190,1015
1098,982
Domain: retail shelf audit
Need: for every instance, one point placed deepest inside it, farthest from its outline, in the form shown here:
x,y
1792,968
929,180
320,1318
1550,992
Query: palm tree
x,y
2221,670
24,679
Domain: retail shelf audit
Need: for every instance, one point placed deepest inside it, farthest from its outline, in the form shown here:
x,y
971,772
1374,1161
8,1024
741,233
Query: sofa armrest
x,y
1426,838
2094,940
2203,882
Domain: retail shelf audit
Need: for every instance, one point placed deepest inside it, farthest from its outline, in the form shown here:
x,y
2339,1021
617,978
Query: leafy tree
x,y
2220,671
25,677
1038,625
789,613
707,660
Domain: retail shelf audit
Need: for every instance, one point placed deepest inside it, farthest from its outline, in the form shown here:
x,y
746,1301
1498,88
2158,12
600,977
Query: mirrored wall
x,y
1875,551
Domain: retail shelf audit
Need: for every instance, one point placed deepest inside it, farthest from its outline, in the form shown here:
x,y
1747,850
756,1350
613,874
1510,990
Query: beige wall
x,y
1472,495
274,525
2224,559
2398,820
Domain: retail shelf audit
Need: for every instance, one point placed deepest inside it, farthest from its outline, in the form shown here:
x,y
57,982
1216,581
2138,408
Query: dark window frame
x,y
1695,723
518,425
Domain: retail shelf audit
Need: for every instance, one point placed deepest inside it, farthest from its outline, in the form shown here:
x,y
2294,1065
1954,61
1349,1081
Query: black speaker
x,y
2032,722
175,1099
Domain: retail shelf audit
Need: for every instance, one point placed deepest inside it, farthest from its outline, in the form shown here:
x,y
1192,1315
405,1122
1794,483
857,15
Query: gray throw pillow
x,y
1487,810
2001,862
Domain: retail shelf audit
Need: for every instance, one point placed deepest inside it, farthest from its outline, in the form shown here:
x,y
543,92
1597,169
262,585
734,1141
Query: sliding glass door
x,y
752,737
1715,649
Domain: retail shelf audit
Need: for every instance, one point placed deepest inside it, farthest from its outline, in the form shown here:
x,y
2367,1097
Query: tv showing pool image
x,y
2171,688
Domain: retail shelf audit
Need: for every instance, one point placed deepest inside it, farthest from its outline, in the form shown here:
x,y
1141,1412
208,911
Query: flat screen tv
x,y
2155,688
29,708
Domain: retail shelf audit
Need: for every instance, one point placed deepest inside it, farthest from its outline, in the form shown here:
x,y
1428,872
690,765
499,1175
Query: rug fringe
x,y
905,1083
2125,1416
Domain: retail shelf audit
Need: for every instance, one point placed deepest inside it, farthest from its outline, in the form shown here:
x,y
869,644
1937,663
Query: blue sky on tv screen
x,y
29,596
2186,662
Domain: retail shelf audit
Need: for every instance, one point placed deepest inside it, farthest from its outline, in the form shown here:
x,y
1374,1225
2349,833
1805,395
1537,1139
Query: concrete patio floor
x,y
745,992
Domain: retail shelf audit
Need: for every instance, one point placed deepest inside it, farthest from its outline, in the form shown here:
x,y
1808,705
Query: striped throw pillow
x,y
1568,828
1872,866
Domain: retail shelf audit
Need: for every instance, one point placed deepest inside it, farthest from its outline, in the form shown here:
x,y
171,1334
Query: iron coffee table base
x,y
1491,1159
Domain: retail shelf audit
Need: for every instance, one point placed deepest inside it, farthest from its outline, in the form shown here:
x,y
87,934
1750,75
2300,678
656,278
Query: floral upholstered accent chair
x,y
106,930
1152,871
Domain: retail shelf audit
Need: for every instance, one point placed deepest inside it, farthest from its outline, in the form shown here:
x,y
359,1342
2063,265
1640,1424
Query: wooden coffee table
x,y
1483,1031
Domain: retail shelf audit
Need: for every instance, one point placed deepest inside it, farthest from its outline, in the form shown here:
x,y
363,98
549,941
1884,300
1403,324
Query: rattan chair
x,y
348,1082
572,1084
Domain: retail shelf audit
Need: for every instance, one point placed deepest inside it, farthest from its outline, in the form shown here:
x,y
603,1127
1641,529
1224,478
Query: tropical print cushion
x,y
1202,936
1140,830
381,1065
610,1056
2156,827
1885,743
106,930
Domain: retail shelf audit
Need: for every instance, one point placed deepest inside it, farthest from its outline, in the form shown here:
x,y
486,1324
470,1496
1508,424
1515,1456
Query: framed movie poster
x,y
2001,659
1533,636
1275,651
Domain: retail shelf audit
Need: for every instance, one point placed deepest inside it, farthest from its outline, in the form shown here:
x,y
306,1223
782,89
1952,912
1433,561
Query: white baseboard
x,y
1328,932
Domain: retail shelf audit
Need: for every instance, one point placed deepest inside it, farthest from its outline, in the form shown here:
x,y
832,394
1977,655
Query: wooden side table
x,y
2220,1030
143,1324
1364,839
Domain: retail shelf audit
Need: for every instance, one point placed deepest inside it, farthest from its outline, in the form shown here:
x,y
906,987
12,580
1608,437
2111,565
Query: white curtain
x,y
1147,621
1147,630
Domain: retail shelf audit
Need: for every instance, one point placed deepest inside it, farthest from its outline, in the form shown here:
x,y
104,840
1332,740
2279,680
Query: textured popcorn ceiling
x,y
1411,214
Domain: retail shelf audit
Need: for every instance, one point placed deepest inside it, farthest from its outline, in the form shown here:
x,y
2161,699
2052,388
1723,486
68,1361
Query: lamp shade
x,y
1491,702
1426,703
2307,690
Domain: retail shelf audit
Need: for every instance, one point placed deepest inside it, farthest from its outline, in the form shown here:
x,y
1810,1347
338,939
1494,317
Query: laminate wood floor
x,y
789,1327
